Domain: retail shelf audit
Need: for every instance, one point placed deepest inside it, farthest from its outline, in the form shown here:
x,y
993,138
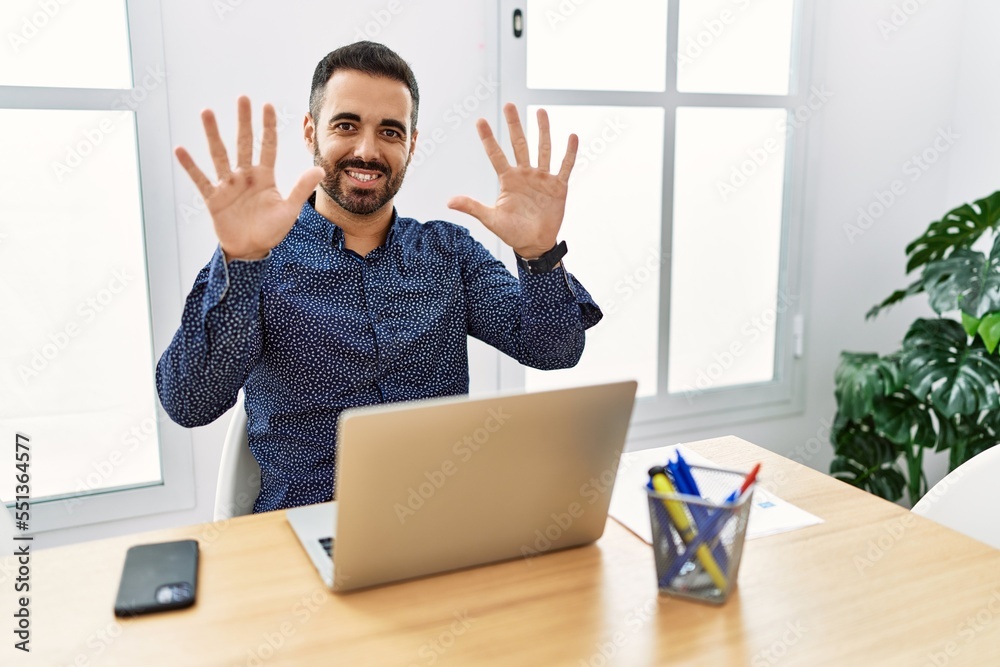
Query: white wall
x,y
891,96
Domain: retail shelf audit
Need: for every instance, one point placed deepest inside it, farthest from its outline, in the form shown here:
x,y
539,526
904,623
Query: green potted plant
x,y
941,389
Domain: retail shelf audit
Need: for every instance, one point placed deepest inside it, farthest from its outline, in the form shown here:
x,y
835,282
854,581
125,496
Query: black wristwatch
x,y
545,262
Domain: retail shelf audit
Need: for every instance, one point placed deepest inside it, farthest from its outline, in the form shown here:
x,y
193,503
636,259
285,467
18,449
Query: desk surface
x,y
873,585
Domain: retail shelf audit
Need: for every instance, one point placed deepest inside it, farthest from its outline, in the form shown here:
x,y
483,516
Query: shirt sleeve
x,y
201,372
539,320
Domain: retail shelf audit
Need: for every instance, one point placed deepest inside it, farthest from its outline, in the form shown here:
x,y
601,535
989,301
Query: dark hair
x,y
367,57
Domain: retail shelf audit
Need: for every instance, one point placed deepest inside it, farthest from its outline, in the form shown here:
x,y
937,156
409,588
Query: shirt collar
x,y
316,224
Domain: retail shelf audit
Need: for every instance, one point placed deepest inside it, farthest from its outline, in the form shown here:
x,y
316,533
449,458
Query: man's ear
x,y
309,132
413,144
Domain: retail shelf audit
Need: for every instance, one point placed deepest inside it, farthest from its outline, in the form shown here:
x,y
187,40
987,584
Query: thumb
x,y
470,206
306,184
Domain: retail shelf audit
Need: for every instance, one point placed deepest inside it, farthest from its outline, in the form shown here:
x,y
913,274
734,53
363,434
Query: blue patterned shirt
x,y
315,328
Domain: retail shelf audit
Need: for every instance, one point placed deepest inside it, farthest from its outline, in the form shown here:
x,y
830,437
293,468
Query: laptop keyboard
x,y
327,544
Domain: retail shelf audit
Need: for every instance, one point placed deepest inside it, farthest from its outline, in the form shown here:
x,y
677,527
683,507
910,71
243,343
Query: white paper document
x,y
769,514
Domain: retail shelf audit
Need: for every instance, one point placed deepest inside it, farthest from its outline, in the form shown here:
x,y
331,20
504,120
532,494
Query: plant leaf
x,y
983,295
860,379
942,368
948,431
915,288
958,282
959,228
970,324
866,460
989,331
904,420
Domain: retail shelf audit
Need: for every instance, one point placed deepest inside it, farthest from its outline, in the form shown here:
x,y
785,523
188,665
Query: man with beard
x,y
328,299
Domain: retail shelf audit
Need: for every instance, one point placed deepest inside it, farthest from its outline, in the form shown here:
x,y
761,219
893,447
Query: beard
x,y
359,201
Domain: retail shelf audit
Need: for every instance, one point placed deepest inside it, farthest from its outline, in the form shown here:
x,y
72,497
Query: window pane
x,y
76,366
735,46
728,192
612,227
65,44
597,45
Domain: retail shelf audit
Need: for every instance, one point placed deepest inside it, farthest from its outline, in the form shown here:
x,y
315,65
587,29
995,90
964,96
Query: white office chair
x,y
965,499
239,473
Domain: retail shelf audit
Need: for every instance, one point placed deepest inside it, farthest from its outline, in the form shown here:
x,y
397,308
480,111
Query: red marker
x,y
750,479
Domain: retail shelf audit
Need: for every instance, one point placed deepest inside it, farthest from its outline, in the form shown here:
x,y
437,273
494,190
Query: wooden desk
x,y
873,585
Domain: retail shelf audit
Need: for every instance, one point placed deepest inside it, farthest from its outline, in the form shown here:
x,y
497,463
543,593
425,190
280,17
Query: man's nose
x,y
366,146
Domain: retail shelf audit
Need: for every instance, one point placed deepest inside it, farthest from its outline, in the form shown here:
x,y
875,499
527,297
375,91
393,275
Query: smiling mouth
x,y
363,177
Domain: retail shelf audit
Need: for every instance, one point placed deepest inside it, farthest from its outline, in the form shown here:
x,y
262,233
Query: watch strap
x,y
544,262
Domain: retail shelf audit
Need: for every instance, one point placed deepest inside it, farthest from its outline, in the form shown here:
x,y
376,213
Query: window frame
x,y
176,491
663,413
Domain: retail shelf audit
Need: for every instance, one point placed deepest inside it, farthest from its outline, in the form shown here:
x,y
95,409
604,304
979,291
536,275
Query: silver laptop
x,y
437,485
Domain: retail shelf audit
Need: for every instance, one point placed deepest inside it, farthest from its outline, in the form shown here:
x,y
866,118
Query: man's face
x,y
363,140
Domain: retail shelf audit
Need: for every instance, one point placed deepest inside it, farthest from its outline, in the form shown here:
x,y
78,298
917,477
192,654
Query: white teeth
x,y
362,177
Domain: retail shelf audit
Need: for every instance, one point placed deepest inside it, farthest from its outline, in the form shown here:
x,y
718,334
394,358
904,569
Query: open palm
x,y
249,214
530,207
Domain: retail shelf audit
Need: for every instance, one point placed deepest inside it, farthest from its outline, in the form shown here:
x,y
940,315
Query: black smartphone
x,y
158,577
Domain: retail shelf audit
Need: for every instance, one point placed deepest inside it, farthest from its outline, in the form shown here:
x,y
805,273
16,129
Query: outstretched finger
x,y
567,164
269,141
470,206
244,133
517,138
201,181
544,141
215,146
306,184
493,150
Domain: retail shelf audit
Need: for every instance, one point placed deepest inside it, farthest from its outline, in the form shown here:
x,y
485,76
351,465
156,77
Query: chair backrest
x,y
965,500
239,473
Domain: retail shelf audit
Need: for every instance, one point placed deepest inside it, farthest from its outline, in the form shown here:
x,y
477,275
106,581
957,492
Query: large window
x,y
82,107
683,216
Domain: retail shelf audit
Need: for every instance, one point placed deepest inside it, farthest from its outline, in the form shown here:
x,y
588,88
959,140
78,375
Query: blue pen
x,y
714,525
684,480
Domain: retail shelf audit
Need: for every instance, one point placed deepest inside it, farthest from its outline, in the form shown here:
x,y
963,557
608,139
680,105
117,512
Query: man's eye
x,y
392,133
344,127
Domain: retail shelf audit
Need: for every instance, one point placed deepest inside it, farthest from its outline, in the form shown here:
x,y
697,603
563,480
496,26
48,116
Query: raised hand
x,y
529,210
249,214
